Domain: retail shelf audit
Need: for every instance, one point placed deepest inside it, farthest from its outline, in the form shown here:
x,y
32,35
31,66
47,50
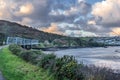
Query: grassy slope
x,y
14,68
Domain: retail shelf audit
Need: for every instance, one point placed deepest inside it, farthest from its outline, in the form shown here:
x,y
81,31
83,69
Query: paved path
x,y
1,76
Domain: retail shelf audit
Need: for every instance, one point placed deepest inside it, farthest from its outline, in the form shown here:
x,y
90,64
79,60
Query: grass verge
x,y
14,68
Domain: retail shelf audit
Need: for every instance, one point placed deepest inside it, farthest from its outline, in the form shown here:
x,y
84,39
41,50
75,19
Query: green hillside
x,y
15,29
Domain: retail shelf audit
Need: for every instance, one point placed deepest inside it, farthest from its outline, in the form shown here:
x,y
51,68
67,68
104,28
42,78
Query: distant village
x,y
108,40
115,41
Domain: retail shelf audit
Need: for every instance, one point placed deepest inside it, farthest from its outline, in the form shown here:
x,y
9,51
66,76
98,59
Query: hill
x,y
14,29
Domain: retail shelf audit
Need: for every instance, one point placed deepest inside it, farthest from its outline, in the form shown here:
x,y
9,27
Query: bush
x,y
64,60
29,56
68,70
66,67
39,52
15,49
104,74
47,61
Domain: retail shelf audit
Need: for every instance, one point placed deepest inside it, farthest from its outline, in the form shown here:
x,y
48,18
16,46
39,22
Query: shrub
x,y
39,52
47,61
66,67
29,56
104,74
68,70
15,49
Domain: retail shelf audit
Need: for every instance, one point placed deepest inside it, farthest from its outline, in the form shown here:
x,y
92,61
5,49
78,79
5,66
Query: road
x,y
1,76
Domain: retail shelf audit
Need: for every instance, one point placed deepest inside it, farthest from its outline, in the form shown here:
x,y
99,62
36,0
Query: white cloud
x,y
80,1
81,7
108,11
91,22
79,33
53,28
7,9
2,4
115,31
26,21
25,9
73,10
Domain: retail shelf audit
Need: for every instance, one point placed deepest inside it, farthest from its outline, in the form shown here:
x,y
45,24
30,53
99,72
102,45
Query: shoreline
x,y
104,57
62,48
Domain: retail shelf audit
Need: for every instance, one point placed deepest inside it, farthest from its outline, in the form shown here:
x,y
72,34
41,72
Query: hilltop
x,y
14,29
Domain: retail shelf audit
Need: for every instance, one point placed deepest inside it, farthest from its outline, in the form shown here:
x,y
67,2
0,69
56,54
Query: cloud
x,y
107,13
91,22
79,33
44,11
2,4
52,29
26,9
26,21
115,31
5,11
57,16
68,29
63,13
80,8
80,1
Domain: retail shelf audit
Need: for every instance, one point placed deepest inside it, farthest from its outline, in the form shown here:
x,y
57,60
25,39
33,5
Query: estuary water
x,y
100,56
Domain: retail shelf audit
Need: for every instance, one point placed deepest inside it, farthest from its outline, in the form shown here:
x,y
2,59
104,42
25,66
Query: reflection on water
x,y
102,57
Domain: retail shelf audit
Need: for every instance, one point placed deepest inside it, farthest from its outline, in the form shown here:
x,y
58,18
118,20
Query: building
x,y
108,40
21,41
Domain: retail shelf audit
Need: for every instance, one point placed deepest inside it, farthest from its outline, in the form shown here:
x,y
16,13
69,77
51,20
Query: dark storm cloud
x,y
85,8
41,13
42,9
106,16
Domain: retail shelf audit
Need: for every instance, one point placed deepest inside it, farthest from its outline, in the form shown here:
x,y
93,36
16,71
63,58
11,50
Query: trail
x,y
1,76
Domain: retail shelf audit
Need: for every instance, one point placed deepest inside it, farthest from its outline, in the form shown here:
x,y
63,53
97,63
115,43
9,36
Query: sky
x,y
66,17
